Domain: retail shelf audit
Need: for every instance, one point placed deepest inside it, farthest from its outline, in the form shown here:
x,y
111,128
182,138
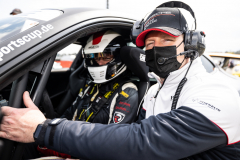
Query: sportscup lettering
x,y
25,39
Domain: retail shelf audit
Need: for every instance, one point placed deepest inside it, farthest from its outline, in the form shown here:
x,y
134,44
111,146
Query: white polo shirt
x,y
213,98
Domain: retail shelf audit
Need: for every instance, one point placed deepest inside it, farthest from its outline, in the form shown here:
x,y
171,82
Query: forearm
x,y
158,137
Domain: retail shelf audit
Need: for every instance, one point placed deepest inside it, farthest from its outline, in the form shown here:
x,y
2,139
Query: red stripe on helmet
x,y
97,37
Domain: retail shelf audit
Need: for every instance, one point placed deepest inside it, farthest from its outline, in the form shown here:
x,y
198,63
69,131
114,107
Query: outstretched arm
x,y
173,135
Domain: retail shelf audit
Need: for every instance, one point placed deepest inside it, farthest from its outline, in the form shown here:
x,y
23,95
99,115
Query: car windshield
x,y
13,25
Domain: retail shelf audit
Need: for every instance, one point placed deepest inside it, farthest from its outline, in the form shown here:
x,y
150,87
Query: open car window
x,y
65,57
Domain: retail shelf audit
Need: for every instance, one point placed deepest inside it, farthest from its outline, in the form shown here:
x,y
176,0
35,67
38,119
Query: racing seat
x,y
134,59
76,81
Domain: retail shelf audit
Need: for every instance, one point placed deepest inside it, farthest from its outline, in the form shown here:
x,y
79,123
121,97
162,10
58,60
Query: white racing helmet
x,y
104,45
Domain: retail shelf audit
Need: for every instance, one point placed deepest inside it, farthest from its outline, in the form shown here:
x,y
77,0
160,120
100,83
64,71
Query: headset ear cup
x,y
187,40
194,40
201,42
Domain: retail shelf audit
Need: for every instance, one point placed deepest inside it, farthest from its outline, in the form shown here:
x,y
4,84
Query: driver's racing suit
x,y
204,126
121,107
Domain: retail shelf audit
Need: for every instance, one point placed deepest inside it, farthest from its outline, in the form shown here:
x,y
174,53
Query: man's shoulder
x,y
153,88
217,101
129,85
210,90
208,84
212,97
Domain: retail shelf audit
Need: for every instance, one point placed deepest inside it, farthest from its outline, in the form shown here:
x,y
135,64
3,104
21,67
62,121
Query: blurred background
x,y
220,20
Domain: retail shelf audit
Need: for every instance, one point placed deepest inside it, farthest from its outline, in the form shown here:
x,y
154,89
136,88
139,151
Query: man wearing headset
x,y
198,121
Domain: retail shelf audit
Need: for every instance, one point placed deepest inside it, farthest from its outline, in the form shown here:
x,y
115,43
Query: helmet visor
x,y
108,52
98,55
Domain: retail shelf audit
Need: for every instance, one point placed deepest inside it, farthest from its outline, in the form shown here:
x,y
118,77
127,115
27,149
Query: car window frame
x,y
37,54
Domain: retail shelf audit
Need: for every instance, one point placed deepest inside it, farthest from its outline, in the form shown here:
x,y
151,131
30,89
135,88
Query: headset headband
x,y
178,4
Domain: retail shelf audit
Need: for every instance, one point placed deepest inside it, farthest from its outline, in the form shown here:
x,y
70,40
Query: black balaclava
x,y
162,60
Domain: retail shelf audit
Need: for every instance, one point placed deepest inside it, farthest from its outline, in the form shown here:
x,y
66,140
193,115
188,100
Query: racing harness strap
x,y
88,111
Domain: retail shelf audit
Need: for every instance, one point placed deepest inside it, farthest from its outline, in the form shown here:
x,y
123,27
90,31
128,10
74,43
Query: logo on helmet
x,y
93,47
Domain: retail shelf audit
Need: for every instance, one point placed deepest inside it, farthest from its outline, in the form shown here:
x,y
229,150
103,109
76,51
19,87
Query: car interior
x,y
54,90
63,87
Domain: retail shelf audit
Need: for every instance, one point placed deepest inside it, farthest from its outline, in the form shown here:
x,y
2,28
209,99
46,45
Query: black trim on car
x,y
30,59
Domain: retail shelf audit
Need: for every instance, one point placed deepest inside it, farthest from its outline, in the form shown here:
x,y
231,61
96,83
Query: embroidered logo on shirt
x,y
142,57
121,108
118,117
124,103
206,104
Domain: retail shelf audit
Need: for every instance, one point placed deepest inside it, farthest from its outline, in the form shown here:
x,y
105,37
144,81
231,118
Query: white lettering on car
x,y
1,55
5,50
32,36
49,26
38,33
25,39
14,43
20,41
9,46
44,28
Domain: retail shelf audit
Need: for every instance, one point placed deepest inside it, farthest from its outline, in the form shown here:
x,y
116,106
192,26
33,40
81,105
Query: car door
x,y
29,67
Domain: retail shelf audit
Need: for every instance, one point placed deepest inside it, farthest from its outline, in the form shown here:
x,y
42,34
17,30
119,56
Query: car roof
x,y
66,23
65,18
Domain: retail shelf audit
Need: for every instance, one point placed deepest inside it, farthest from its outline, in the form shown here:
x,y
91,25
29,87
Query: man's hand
x,y
20,124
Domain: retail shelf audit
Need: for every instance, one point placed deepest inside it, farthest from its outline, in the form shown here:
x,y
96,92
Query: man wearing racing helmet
x,y
108,97
200,121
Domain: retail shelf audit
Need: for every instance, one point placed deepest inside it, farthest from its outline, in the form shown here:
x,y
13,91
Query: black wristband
x,y
40,132
53,125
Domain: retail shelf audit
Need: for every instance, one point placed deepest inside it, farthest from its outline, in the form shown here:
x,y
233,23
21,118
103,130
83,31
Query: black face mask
x,y
162,60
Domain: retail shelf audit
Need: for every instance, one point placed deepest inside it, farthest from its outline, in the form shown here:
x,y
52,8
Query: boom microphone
x,y
192,54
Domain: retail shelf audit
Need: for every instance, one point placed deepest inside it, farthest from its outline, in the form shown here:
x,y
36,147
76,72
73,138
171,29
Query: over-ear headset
x,y
194,40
